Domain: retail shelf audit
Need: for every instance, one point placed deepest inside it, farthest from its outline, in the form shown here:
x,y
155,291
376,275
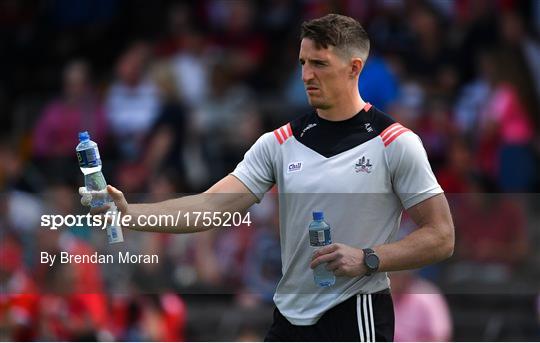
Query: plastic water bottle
x,y
90,164
319,235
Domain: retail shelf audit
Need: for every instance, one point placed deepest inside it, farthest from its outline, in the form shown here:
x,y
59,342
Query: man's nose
x,y
307,74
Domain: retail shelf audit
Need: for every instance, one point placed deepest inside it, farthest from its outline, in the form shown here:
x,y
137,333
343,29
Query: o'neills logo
x,y
294,167
310,126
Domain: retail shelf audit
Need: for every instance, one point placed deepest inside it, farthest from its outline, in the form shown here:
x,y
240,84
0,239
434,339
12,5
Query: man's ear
x,y
356,67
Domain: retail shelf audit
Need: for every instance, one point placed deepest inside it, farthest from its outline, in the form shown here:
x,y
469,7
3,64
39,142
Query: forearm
x,y
422,247
183,215
432,242
194,213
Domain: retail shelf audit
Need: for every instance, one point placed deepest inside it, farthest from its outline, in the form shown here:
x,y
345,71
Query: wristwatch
x,y
371,261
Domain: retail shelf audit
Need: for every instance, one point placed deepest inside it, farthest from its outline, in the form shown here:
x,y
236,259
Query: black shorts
x,y
363,317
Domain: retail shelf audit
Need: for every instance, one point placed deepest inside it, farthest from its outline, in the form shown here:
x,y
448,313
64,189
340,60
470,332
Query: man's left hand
x,y
342,259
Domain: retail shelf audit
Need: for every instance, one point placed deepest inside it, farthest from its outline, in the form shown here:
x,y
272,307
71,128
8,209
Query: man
x,y
358,166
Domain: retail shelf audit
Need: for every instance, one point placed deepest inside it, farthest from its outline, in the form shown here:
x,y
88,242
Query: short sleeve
x,y
256,170
412,178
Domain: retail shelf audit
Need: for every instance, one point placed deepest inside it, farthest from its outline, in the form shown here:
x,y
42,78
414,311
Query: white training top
x,y
361,172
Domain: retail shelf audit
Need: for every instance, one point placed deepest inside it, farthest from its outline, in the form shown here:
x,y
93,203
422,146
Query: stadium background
x,y
175,92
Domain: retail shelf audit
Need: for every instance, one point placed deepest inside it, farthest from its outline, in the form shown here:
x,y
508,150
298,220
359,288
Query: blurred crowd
x,y
174,93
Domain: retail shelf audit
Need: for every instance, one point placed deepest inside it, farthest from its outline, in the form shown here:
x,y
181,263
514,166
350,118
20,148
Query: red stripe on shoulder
x,y
278,136
395,135
389,129
283,133
392,132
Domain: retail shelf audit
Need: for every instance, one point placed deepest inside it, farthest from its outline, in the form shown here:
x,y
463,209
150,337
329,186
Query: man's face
x,y
326,75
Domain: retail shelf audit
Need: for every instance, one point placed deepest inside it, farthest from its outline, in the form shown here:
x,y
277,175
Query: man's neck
x,y
344,109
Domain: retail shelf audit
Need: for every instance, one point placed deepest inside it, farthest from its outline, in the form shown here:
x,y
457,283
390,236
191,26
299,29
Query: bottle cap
x,y
84,136
318,215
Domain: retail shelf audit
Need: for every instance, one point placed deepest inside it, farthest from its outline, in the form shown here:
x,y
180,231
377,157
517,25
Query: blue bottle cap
x,y
318,215
84,136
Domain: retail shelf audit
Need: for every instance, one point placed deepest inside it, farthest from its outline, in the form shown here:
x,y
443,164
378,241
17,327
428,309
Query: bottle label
x,y
318,238
114,234
96,182
89,158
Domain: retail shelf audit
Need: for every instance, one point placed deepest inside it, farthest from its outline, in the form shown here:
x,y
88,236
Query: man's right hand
x,y
116,195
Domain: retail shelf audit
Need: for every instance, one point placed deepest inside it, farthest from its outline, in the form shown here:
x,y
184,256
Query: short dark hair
x,y
344,33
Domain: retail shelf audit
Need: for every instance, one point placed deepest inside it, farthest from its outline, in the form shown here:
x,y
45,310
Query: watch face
x,y
372,261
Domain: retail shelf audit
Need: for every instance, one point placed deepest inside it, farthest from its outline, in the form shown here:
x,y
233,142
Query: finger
x,y
333,265
83,191
326,249
99,210
323,259
326,257
115,193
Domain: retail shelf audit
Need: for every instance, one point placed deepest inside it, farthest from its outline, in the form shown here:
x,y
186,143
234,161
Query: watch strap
x,y
367,252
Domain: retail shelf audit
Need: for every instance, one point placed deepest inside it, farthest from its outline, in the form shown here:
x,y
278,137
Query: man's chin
x,y
317,104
